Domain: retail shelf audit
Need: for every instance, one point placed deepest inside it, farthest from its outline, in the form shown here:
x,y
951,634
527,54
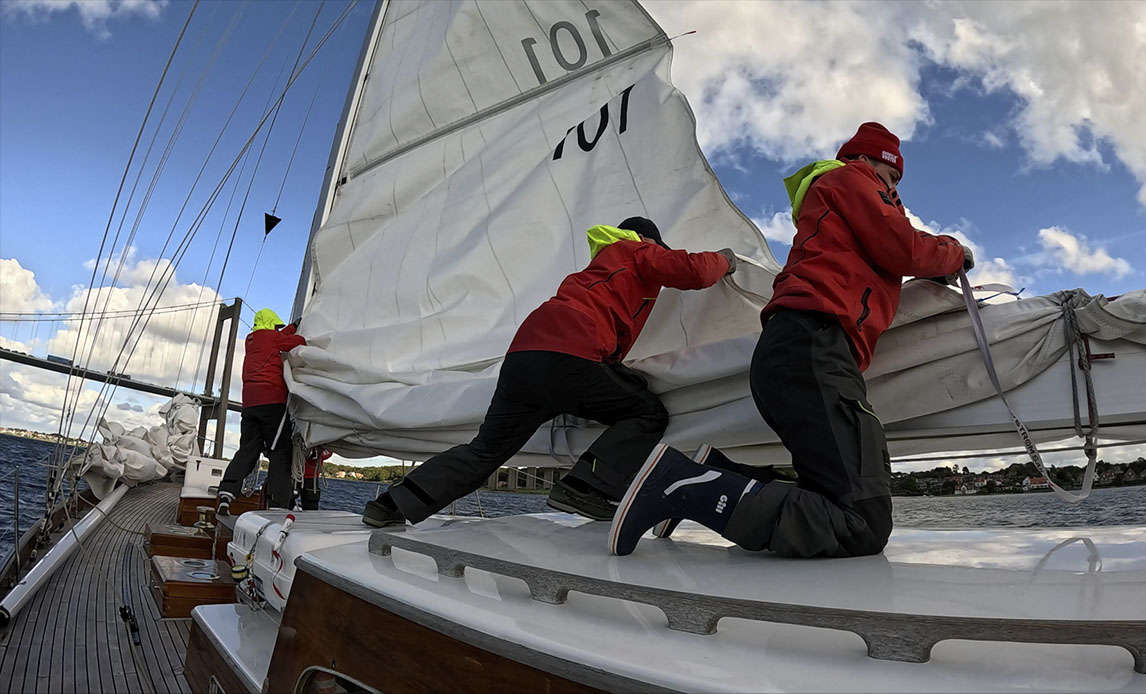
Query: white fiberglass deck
x,y
988,573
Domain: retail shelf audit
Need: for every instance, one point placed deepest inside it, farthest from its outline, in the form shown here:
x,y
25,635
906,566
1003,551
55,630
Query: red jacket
x,y
598,312
263,382
853,247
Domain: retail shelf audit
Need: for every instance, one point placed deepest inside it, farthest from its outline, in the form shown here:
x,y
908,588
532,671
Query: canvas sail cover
x,y
488,137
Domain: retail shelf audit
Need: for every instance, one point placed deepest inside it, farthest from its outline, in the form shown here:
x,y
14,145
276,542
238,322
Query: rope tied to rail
x,y
1073,337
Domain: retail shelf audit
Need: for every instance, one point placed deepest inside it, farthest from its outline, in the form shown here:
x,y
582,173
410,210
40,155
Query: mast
x,y
330,180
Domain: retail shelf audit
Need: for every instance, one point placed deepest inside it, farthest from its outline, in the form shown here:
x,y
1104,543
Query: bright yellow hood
x,y
267,319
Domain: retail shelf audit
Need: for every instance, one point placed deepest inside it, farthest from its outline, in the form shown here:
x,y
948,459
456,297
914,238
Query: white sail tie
x,y
1024,434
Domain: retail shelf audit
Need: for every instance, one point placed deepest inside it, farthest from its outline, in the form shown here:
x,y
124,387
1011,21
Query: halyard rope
x,y
1024,434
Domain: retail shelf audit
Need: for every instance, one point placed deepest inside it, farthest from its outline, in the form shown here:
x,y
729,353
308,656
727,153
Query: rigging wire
x,y
193,229
227,212
177,130
125,254
298,140
107,229
286,173
294,72
35,317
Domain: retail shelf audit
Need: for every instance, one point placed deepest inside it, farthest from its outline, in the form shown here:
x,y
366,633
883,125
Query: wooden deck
x,y
70,637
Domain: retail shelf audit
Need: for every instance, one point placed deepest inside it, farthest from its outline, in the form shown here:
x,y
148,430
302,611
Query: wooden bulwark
x,y
327,627
70,636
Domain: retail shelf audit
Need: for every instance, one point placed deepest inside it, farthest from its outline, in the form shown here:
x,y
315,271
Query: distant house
x,y
1110,476
1032,483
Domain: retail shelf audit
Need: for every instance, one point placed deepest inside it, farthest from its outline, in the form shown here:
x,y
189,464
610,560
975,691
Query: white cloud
x,y
1062,249
172,347
778,227
19,292
94,14
988,269
793,80
993,140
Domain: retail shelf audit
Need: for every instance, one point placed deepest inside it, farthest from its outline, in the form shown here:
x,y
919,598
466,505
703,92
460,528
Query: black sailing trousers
x,y
532,388
807,386
257,428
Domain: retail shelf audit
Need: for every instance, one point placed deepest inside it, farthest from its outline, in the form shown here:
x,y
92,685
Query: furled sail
x,y
484,138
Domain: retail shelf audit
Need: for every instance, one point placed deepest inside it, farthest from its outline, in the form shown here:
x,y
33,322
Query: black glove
x,y
968,259
730,257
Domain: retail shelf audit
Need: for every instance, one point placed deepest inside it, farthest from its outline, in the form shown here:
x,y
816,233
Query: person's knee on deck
x,y
837,293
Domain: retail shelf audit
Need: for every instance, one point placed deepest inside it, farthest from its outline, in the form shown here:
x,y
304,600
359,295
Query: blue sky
x,y
1040,164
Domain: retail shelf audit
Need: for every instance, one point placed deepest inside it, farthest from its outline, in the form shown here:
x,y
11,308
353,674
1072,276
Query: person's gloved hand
x,y
731,257
968,259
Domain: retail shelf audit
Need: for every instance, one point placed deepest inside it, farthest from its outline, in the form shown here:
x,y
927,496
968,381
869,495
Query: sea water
x,y
1112,506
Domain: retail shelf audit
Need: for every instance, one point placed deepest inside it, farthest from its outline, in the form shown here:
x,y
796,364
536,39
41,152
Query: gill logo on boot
x,y
721,502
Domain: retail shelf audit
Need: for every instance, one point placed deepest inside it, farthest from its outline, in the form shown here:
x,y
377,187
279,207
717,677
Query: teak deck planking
x,y
70,638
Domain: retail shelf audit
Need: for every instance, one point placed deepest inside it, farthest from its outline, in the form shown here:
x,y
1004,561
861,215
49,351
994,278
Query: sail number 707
x,y
577,61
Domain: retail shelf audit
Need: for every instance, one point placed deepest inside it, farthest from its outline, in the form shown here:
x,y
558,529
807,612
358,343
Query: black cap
x,y
643,227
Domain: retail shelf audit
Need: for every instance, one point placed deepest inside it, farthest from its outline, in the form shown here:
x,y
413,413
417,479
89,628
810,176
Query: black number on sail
x,y
582,54
559,54
583,140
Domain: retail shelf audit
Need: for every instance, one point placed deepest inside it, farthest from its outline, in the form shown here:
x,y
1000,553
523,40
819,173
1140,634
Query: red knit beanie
x,y
875,141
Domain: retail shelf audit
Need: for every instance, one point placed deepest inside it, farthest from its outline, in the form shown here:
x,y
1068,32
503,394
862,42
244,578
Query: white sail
x,y
481,153
486,138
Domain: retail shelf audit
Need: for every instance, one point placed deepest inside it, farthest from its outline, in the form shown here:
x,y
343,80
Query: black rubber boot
x,y
712,456
308,499
382,512
223,505
574,496
671,485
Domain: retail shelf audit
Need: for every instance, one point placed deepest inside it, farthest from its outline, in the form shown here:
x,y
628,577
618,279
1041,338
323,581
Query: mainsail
x,y
483,139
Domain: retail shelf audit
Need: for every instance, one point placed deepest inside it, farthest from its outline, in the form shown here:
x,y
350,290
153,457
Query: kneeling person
x,y
838,292
566,359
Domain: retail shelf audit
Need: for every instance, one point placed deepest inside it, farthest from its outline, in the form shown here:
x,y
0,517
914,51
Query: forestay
x,y
486,139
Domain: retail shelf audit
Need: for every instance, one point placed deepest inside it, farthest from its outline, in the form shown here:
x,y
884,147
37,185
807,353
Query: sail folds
x,y
489,137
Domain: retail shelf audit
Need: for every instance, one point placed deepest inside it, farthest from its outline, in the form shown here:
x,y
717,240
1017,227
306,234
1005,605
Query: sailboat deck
x,y
70,637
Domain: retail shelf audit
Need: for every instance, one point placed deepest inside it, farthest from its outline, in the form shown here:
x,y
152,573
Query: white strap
x,y
1032,450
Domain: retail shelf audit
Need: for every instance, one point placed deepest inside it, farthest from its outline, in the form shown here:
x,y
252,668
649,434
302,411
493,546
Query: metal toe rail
x,y
888,635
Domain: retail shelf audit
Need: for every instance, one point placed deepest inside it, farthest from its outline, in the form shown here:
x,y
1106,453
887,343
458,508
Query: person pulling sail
x,y
566,359
264,407
838,292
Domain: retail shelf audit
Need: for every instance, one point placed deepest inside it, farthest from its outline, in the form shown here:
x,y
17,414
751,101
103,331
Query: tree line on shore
x,y
1013,479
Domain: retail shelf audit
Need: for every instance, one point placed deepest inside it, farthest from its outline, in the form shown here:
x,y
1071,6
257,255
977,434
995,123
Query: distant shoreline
x,y
40,436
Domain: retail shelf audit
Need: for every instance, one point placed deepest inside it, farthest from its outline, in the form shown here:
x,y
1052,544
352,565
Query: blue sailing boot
x,y
712,456
670,485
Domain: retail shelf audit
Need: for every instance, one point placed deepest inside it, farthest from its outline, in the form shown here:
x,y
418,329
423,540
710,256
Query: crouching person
x,y
837,293
566,359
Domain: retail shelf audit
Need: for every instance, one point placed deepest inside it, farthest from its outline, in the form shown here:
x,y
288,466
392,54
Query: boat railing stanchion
x,y
16,515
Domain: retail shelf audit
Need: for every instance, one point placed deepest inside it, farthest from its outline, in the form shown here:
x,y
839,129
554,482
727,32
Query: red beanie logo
x,y
875,141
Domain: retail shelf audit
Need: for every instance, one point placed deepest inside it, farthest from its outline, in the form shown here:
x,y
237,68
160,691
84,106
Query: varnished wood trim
x,y
203,660
323,625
